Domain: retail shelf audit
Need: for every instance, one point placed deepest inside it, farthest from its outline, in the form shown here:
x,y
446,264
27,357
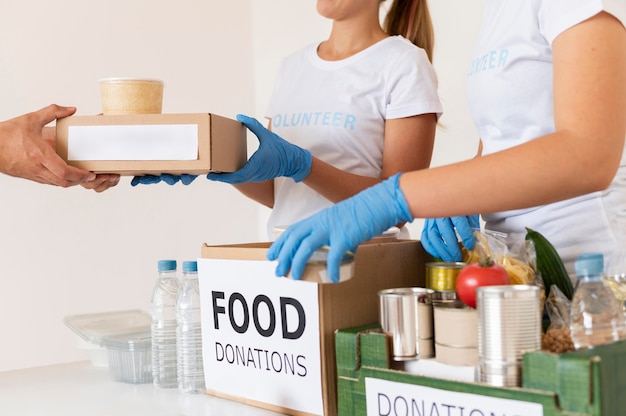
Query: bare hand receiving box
x,y
142,144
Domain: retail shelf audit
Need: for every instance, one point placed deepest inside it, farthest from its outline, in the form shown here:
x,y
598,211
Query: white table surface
x,y
83,389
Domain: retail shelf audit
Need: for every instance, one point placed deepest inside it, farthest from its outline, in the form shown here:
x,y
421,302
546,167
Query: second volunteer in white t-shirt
x,y
511,96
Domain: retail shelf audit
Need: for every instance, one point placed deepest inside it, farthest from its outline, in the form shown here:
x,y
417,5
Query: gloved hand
x,y
275,157
439,236
166,177
342,227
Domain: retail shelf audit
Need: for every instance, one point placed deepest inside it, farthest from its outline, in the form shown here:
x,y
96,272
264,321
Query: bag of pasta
x,y
517,257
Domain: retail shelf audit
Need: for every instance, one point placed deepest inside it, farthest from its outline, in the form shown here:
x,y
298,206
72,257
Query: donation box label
x,y
260,334
391,398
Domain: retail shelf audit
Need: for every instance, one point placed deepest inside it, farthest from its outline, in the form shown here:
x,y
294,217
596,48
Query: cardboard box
x,y
585,383
269,341
142,144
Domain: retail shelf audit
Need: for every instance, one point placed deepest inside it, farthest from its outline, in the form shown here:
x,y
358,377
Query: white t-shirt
x,y
510,95
337,110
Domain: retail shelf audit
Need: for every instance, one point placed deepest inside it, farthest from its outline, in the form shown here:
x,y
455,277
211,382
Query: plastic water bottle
x,y
189,334
596,316
163,311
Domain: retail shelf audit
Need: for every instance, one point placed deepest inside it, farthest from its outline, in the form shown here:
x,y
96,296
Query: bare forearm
x,y
543,171
261,192
408,146
335,184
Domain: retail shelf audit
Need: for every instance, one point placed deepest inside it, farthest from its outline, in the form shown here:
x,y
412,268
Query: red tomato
x,y
475,275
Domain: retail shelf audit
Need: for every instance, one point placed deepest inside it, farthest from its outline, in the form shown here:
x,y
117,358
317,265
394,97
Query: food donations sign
x,y
261,334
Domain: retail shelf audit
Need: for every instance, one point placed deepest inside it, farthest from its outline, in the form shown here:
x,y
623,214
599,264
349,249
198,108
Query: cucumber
x,y
549,264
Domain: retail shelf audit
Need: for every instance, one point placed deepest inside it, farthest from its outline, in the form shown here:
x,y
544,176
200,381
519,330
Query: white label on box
x,y
390,398
260,334
135,142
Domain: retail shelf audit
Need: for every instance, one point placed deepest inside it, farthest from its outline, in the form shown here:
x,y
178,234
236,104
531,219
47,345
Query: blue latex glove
x,y
275,157
342,227
439,236
166,177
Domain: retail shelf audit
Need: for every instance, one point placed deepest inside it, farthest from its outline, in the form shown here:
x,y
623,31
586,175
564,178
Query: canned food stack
x,y
509,325
456,334
456,327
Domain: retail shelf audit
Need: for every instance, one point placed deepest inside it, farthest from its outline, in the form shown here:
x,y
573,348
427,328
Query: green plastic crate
x,y
581,383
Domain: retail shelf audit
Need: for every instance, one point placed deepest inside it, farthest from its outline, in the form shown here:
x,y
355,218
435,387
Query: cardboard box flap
x,y
252,251
348,347
314,272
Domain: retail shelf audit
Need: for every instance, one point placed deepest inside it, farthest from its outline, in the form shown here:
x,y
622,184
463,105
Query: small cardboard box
x,y
269,341
142,144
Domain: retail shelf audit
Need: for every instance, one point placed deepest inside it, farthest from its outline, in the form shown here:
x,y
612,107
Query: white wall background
x,y
72,251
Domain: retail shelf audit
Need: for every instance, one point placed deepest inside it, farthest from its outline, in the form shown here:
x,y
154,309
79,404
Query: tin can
x,y
441,276
509,324
406,314
446,297
456,334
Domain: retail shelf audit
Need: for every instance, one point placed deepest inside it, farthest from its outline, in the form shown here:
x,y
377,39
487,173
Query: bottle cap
x,y
589,264
167,265
190,266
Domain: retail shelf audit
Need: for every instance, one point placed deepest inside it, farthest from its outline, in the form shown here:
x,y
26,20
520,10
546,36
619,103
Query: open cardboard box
x,y
269,341
141,144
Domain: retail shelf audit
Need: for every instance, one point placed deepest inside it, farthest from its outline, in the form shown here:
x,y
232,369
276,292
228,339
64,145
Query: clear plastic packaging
x,y
124,336
93,327
557,338
615,274
130,357
517,256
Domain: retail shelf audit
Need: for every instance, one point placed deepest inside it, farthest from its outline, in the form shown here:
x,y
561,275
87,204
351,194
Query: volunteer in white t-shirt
x,y
547,88
338,109
354,109
512,96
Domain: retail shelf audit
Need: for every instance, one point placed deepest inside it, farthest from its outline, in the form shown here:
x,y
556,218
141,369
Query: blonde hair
x,y
411,19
